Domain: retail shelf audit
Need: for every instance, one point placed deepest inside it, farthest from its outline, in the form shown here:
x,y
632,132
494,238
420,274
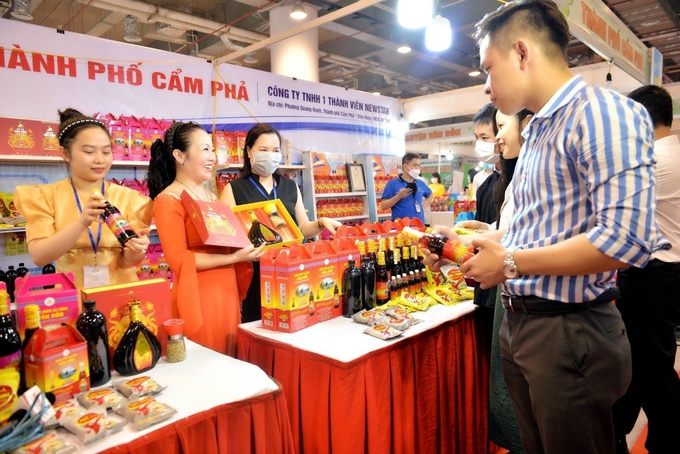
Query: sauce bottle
x,y
32,314
139,349
452,250
116,222
351,289
11,276
383,282
368,283
92,325
22,270
260,233
10,344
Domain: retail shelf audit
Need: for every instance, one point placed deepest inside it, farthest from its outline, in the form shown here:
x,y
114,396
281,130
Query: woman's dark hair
x,y
437,176
507,167
162,168
254,134
71,122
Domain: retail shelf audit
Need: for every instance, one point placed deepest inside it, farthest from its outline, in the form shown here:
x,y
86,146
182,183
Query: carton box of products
x,y
55,360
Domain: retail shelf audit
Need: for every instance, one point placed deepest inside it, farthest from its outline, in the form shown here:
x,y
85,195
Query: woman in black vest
x,y
259,182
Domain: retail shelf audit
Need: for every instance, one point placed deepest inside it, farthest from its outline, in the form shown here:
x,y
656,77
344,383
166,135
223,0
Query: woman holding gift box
x,y
203,291
63,218
259,182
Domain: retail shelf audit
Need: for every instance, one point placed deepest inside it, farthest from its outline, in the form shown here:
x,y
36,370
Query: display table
x,y
223,405
347,392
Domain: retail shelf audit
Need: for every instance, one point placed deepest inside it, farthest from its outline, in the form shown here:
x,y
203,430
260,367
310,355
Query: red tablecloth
x,y
424,394
259,425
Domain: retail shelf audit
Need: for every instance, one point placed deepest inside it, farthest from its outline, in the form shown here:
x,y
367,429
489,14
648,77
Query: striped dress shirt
x,y
587,166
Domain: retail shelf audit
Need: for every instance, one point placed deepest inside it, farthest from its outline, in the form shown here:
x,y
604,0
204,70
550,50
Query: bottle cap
x,y
270,208
174,326
89,304
32,312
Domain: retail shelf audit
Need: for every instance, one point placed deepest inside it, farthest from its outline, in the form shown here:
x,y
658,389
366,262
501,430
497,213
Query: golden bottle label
x,y
142,357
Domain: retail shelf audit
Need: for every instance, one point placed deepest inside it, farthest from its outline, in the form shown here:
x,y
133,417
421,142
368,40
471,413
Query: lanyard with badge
x,y
93,276
415,201
259,188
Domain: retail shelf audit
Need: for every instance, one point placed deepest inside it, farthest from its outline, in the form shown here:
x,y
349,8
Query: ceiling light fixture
x,y
608,80
438,34
338,73
298,12
650,23
474,73
22,10
414,14
131,30
404,48
250,58
229,44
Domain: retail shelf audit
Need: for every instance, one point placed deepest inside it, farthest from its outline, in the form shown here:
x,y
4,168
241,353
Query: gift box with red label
x,y
112,301
216,223
294,272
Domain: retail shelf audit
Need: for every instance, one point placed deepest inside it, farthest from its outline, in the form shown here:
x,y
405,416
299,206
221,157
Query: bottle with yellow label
x,y
139,349
10,344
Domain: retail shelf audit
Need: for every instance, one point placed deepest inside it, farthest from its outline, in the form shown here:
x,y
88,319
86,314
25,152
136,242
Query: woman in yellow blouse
x,y
63,222
438,189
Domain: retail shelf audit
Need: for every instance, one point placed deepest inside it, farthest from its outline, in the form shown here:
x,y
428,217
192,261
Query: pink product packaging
x,y
55,294
138,139
120,136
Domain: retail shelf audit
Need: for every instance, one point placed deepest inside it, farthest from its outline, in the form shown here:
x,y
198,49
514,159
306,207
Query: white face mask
x,y
485,152
415,173
266,162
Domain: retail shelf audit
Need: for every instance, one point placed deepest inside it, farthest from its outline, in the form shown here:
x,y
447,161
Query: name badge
x,y
95,276
418,209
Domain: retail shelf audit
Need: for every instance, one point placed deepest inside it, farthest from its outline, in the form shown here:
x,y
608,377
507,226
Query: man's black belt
x,y
537,305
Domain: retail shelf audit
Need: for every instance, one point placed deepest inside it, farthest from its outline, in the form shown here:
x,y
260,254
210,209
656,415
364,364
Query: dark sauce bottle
x,y
92,325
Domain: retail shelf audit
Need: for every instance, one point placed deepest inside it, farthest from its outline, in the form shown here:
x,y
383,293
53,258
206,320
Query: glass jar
x,y
176,349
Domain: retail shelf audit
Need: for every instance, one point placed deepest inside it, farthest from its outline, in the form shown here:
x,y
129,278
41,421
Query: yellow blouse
x,y
48,208
438,189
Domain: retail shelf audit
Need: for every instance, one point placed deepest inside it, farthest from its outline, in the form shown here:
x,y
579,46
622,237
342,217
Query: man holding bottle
x,y
407,195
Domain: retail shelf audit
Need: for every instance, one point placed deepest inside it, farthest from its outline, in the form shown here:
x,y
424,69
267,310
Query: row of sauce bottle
x,y
385,274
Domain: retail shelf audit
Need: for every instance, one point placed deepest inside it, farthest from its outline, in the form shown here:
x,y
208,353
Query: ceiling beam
x,y
319,21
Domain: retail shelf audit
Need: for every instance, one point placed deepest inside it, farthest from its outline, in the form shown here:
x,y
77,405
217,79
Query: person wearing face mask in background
x,y
438,189
407,195
259,181
485,149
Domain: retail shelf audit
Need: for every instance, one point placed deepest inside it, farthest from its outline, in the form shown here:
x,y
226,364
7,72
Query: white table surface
x,y
204,380
344,340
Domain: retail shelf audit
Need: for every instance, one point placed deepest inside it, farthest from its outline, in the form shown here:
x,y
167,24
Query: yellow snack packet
x,y
446,295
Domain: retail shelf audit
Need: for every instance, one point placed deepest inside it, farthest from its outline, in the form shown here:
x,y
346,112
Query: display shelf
x,y
310,197
221,167
18,159
350,218
330,195
13,230
384,216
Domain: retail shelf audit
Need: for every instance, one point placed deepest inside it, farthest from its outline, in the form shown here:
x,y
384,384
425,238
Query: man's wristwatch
x,y
510,269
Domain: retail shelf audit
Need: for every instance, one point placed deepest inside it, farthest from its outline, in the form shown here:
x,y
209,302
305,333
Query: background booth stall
x,y
95,75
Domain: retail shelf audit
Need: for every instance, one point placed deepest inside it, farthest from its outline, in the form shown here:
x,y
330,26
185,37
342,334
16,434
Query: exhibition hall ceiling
x,y
357,51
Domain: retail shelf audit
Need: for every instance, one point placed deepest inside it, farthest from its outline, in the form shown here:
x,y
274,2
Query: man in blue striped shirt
x,y
584,202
